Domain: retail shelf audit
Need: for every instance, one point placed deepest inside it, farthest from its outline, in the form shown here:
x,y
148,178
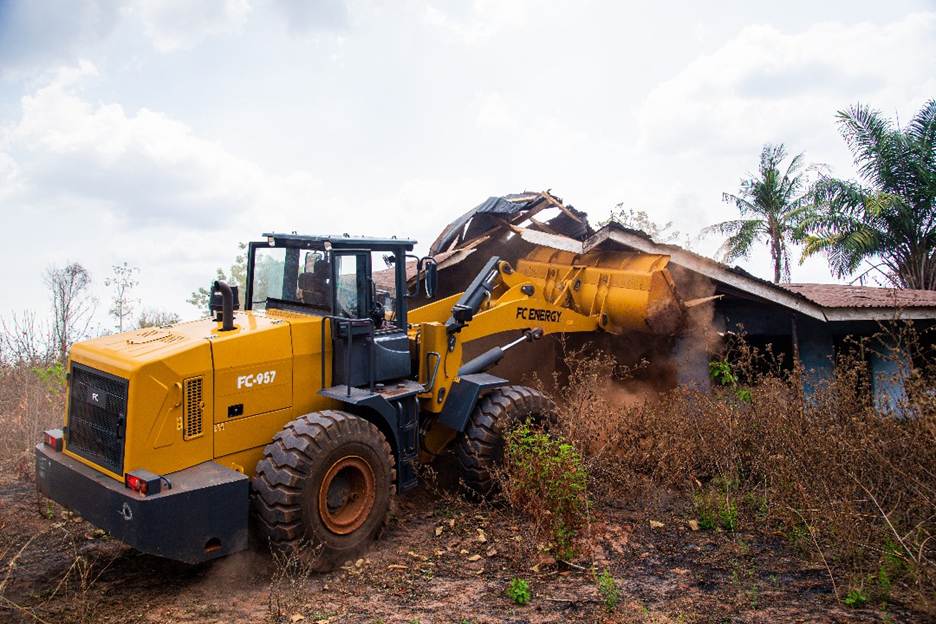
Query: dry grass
x,y
31,401
288,595
850,484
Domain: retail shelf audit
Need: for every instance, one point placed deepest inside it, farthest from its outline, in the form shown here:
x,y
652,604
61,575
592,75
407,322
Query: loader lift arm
x,y
571,295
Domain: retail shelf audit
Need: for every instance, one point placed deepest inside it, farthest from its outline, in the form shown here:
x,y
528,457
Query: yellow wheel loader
x,y
308,409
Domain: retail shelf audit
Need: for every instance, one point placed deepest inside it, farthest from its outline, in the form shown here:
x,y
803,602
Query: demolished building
x,y
809,322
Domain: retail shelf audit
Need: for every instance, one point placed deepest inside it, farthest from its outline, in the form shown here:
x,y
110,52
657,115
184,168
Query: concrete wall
x,y
887,372
816,346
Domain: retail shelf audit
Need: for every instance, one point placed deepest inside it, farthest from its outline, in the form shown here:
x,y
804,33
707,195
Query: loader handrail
x,y
350,323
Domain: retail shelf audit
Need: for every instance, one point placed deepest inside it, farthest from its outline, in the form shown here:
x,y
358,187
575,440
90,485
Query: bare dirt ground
x,y
439,560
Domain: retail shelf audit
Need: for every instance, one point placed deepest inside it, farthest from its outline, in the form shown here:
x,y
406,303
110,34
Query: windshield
x,y
290,274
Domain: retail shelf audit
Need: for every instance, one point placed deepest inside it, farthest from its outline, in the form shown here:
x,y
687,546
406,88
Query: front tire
x,y
323,487
480,449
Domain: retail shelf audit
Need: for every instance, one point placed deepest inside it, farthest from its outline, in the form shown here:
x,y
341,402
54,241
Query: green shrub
x,y
855,598
519,591
546,479
728,516
722,373
608,589
715,506
52,376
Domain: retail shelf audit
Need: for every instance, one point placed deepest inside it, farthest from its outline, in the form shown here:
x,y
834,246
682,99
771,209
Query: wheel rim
x,y
346,495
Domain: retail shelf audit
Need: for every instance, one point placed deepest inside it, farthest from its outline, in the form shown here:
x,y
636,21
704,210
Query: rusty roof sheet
x,y
847,296
510,210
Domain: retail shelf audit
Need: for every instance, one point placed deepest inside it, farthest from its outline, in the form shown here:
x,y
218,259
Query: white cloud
x,y
495,113
168,159
181,24
143,166
138,186
481,20
767,85
320,15
702,130
33,34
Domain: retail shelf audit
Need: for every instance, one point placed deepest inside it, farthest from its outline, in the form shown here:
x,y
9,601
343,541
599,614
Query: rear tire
x,y
480,449
323,487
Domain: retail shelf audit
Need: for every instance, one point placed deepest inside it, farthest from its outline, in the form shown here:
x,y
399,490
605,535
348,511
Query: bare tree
x,y
25,340
72,305
123,282
152,317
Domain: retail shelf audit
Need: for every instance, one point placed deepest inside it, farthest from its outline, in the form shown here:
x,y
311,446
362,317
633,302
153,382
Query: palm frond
x,y
795,167
771,157
922,127
744,206
870,138
878,204
742,234
728,228
845,250
839,195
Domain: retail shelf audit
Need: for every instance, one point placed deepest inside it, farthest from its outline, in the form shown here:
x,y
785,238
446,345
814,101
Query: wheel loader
x,y
302,412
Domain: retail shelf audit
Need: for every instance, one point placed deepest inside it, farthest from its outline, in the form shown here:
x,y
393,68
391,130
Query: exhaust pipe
x,y
227,304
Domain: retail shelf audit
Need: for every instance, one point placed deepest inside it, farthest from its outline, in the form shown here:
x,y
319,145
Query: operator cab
x,y
334,277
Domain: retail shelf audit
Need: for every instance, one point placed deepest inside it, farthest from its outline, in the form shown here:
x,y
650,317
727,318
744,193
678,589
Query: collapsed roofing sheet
x,y
512,211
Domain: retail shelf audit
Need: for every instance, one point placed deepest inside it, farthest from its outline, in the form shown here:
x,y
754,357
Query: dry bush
x,y
288,595
31,401
859,479
646,439
32,386
852,483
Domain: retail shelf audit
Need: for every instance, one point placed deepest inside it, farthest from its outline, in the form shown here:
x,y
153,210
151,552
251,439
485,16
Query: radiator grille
x,y
194,407
97,416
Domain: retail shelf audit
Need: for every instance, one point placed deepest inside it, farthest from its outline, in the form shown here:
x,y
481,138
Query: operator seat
x,y
313,285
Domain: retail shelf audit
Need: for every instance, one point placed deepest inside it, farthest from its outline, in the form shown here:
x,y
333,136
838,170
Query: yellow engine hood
x,y
159,362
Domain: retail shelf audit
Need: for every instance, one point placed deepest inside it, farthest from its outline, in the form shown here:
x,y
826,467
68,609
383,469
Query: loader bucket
x,y
627,291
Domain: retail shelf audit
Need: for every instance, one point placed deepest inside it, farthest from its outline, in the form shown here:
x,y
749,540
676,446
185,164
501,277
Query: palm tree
x,y
771,204
889,218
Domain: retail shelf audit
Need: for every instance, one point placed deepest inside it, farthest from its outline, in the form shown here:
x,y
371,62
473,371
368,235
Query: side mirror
x,y
427,271
432,276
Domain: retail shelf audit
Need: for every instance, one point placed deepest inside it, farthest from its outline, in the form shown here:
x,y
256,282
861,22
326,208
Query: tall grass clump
x,y
848,477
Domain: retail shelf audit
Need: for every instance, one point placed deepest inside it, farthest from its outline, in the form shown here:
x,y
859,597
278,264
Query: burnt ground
x,y
439,560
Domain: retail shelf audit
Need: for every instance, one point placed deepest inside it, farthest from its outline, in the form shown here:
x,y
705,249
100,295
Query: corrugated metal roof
x,y
848,296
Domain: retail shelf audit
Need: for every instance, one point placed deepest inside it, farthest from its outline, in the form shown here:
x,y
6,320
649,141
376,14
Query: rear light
x,y
143,481
53,438
135,483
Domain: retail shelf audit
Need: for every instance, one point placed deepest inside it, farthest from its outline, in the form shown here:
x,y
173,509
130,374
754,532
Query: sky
x,y
163,132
